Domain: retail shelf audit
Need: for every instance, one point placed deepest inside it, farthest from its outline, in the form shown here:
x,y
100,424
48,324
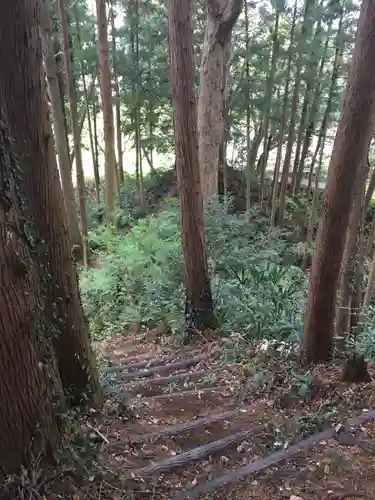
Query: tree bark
x,y
199,304
138,138
348,157
120,153
221,18
96,144
314,205
82,112
335,73
249,172
275,187
60,76
106,94
348,265
23,92
314,108
76,134
305,33
29,380
94,156
59,127
298,173
284,176
267,110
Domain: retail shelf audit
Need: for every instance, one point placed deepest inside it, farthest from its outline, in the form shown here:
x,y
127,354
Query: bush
x,y
140,275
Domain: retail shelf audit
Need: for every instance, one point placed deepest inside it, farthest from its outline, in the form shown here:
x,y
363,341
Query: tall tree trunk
x,y
249,172
199,304
95,134
268,95
275,187
335,73
60,76
120,153
94,155
311,82
29,381
314,205
59,127
221,17
314,108
106,94
348,265
285,172
23,94
348,157
359,271
76,134
305,34
223,164
82,112
93,146
138,109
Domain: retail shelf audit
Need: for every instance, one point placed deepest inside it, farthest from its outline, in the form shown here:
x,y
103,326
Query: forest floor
x,y
224,419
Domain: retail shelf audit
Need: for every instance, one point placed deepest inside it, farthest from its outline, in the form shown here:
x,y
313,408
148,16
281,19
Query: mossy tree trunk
x,y
23,93
30,386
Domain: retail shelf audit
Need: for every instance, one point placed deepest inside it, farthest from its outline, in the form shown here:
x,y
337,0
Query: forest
x,y
187,249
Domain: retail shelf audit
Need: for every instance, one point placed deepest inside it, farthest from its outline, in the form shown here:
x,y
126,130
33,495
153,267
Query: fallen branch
x,y
97,431
260,465
141,364
186,363
176,430
146,387
184,394
127,361
196,454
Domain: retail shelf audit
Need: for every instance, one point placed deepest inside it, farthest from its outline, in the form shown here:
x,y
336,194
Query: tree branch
x,y
229,16
82,112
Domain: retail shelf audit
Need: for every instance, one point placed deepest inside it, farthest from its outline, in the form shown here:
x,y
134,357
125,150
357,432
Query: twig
x,y
184,394
97,431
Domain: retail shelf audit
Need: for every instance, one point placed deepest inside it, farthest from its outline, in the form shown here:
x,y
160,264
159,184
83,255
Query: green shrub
x,y
365,341
140,275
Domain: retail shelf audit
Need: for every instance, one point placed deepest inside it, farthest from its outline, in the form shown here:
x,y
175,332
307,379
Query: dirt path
x,y
196,429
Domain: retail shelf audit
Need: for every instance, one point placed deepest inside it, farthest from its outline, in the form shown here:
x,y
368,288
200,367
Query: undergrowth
x,y
138,276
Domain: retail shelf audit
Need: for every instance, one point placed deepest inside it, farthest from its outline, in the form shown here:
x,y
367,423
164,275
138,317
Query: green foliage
x,y
139,276
365,342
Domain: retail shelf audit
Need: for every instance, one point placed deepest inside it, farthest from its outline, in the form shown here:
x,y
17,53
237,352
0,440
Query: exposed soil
x,y
172,432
